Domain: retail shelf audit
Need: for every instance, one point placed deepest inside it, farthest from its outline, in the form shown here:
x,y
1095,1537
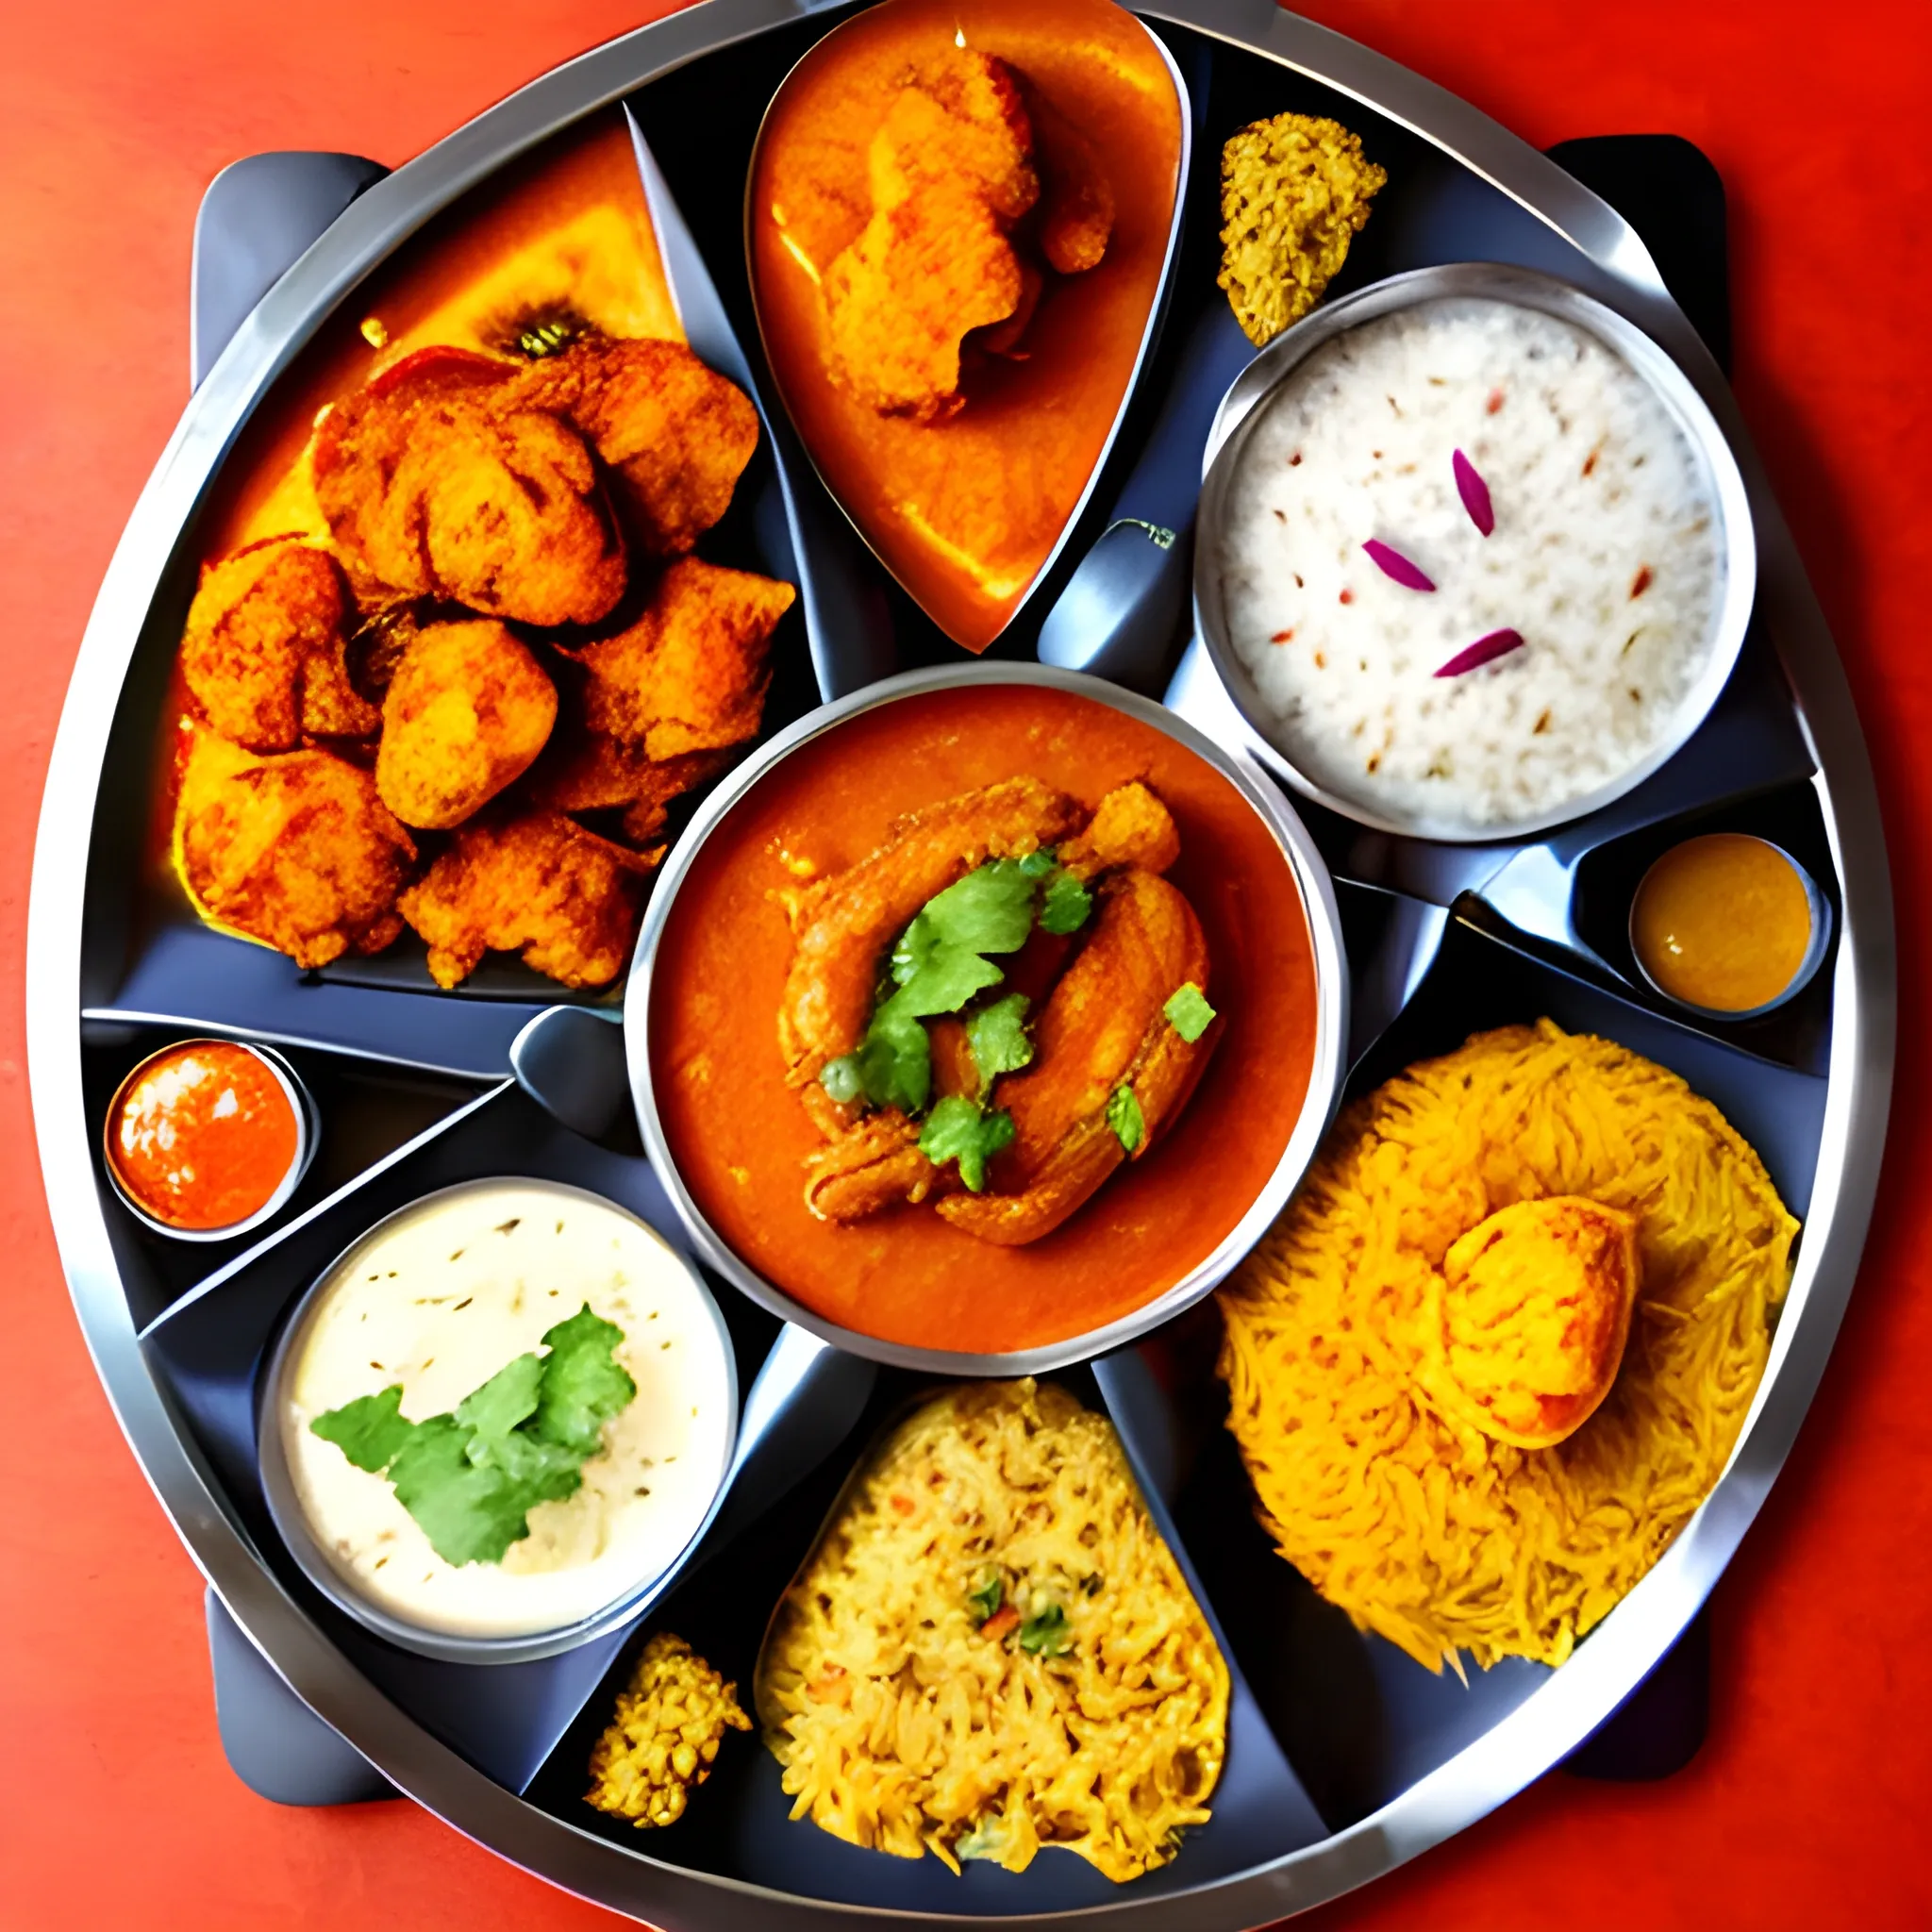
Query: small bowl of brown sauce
x,y
1728,926
208,1138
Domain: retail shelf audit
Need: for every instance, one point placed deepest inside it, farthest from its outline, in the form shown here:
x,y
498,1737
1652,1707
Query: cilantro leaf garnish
x,y
960,1130
507,1398
938,965
895,1058
990,910
1124,1117
471,1479
471,1512
1065,903
935,976
1189,1013
997,1037
989,1594
1046,1632
369,1431
584,1384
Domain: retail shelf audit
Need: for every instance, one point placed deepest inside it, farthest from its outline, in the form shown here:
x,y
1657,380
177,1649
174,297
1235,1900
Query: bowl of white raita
x,y
1474,558
497,1418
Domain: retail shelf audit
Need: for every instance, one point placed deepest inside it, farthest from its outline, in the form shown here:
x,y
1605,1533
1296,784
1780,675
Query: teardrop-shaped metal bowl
x,y
952,510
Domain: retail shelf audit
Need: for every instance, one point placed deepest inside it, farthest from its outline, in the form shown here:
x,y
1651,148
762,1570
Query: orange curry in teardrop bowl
x,y
981,1018
958,221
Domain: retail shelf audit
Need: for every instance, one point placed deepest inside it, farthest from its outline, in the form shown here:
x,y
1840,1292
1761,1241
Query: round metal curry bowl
x,y
291,1521
1247,403
1317,896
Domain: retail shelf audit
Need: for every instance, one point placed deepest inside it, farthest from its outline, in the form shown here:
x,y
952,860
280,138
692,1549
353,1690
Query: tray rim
x,y
1858,1080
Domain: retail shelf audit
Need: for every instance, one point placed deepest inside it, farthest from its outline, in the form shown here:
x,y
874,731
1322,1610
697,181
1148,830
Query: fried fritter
x,y
296,849
599,773
951,170
676,433
263,651
437,481
570,900
690,674
466,713
1295,193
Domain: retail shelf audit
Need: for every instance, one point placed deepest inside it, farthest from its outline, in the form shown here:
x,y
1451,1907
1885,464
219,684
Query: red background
x,y
115,1805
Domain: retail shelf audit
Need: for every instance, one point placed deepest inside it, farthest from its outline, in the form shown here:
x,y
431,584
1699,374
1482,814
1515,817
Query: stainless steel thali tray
x,y
1440,939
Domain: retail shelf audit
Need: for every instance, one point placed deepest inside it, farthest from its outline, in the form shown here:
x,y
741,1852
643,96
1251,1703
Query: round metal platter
x,y
1442,940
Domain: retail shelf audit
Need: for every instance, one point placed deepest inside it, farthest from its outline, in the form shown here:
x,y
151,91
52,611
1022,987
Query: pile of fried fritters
x,y
505,631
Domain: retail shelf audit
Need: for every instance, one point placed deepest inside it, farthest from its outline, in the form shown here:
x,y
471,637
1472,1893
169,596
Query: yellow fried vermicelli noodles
x,y
1419,1526
991,1650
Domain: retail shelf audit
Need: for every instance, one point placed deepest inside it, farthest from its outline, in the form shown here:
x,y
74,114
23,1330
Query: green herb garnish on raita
x,y
471,1479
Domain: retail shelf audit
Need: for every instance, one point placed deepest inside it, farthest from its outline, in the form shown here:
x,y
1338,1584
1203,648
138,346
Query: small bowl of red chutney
x,y
208,1138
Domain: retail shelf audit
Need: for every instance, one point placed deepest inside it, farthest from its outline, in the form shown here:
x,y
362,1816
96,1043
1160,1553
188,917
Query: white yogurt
x,y
1606,556
440,1299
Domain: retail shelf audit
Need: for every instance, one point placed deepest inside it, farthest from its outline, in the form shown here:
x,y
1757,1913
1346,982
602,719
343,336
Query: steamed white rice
x,y
1606,556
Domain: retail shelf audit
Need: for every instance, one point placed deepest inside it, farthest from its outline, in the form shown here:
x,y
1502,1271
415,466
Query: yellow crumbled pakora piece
x,y
1295,192
665,1735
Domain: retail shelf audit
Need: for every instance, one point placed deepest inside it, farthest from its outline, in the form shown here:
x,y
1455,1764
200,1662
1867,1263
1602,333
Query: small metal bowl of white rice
x,y
1475,558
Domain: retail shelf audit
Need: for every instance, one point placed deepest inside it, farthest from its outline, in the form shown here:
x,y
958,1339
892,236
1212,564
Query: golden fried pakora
x,y
541,882
690,674
263,651
598,773
466,713
951,170
296,849
436,481
675,434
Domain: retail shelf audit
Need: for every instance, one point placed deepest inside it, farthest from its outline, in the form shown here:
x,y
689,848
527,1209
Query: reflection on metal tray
x,y
1345,1756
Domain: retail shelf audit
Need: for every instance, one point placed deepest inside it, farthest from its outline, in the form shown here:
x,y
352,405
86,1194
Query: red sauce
x,y
203,1134
739,1135
965,512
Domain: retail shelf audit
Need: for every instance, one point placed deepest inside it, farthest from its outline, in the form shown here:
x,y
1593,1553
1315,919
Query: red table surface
x,y
115,1804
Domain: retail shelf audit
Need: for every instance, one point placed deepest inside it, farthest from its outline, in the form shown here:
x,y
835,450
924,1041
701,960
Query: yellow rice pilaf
x,y
991,1650
1420,1527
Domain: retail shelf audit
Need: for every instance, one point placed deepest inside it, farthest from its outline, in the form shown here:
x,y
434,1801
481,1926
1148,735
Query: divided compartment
x,y
210,1352
152,958
738,1825
365,1110
1359,1719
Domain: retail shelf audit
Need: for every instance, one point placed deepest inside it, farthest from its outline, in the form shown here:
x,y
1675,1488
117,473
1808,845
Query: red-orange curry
x,y
203,1134
966,512
741,1136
